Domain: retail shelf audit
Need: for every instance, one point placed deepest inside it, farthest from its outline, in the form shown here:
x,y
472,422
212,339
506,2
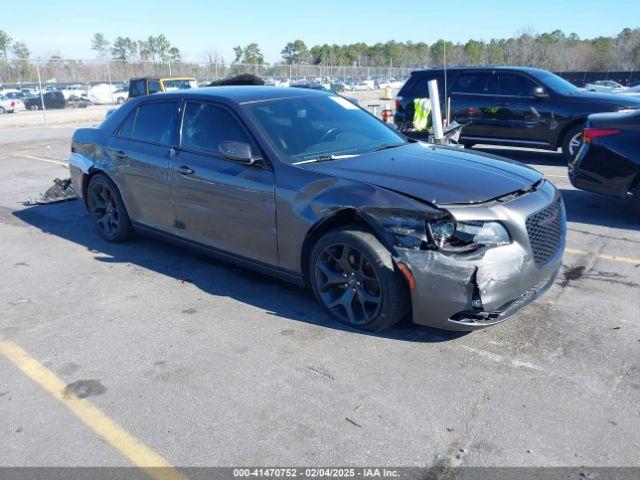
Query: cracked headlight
x,y
452,236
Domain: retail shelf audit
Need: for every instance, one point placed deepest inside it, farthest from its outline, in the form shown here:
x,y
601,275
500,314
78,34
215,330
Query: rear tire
x,y
2,110
572,142
107,209
354,278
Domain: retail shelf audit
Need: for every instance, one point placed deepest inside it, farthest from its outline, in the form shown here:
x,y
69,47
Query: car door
x,y
473,104
218,202
141,147
526,118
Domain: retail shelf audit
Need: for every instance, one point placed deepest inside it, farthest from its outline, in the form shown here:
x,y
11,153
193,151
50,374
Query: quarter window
x,y
155,121
206,126
126,129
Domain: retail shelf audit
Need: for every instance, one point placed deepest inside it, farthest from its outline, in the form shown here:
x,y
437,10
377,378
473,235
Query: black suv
x,y
524,107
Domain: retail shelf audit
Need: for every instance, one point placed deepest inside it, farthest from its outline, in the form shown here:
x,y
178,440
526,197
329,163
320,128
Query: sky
x,y
65,27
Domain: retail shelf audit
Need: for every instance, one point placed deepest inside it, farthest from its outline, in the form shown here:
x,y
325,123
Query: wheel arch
x,y
339,218
573,123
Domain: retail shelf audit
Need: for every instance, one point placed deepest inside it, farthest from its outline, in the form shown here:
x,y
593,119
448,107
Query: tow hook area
x,y
476,299
477,315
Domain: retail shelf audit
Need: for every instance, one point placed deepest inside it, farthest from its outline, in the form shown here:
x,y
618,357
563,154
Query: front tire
x,y
353,277
107,208
572,142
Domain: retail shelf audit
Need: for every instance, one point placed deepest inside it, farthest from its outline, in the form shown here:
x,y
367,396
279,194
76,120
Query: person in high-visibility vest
x,y
421,114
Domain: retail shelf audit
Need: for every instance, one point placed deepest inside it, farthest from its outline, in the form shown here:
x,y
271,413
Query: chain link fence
x,y
105,82
15,73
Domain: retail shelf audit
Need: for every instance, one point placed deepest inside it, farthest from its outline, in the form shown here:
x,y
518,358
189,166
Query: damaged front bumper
x,y
472,291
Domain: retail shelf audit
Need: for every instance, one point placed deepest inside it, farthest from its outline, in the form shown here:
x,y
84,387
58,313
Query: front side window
x,y
206,126
515,85
309,127
155,121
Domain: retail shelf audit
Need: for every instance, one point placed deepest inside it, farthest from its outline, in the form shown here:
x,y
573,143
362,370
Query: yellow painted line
x,y
613,258
140,455
48,160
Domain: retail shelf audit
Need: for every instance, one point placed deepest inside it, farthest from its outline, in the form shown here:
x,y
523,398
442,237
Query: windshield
x,y
308,128
557,84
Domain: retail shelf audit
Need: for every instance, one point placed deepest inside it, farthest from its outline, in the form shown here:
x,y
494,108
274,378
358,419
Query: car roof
x,y
475,69
241,93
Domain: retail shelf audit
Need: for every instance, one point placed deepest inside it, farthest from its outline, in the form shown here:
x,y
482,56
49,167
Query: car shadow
x,y
582,206
69,221
529,156
593,209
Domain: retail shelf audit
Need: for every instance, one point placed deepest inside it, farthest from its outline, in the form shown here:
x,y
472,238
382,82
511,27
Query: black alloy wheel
x,y
348,284
354,277
105,205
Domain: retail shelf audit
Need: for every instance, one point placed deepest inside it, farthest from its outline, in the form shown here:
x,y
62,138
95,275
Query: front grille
x,y
546,230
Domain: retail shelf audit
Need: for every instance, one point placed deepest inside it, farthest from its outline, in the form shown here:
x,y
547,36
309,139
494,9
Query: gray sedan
x,y
308,187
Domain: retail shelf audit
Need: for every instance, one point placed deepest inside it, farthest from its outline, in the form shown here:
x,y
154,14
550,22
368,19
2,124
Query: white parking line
x,y
41,159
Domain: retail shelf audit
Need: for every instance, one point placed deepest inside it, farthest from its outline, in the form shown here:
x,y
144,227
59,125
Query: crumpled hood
x,y
434,174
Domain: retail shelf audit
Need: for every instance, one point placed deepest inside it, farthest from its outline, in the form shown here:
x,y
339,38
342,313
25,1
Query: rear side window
x,y
471,83
137,88
416,86
206,126
154,122
515,85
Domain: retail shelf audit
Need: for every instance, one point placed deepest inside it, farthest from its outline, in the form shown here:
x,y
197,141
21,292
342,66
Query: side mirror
x,y
237,151
540,92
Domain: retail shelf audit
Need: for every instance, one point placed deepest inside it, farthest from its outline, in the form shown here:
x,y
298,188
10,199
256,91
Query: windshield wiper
x,y
326,158
386,146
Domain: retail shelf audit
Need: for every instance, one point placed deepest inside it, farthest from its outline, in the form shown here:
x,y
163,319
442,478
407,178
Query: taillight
x,y
590,133
398,100
13,104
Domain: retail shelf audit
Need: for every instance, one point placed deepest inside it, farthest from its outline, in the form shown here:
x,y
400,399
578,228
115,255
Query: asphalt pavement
x,y
195,362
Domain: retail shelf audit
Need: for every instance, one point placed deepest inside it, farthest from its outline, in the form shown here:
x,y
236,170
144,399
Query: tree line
x,y
554,51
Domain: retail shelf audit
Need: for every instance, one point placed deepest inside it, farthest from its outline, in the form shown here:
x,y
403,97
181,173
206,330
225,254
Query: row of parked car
x,y
610,86
55,97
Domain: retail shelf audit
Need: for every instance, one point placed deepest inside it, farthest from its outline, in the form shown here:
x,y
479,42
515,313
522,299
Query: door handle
x,y
183,170
120,155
